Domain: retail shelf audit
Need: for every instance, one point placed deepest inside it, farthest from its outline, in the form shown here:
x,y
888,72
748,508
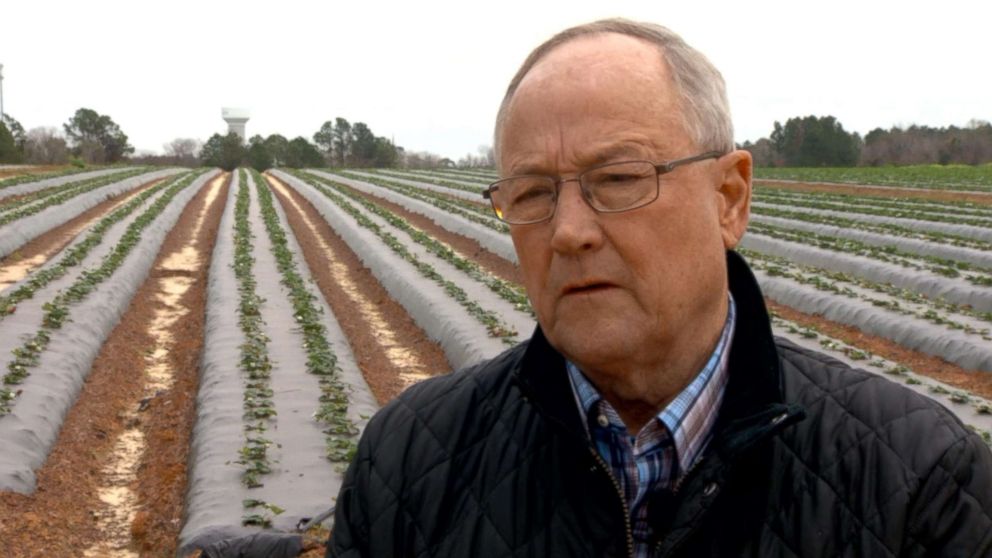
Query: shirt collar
x,y
689,417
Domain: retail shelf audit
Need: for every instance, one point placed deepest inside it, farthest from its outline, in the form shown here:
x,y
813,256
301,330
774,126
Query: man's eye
x,y
614,178
530,195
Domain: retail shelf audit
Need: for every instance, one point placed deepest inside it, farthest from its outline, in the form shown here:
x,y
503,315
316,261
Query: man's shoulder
x,y
849,407
442,410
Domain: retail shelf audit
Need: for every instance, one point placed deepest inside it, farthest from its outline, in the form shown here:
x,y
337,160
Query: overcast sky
x,y
431,74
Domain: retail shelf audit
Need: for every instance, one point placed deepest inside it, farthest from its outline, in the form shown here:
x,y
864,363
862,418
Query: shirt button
x,y
603,421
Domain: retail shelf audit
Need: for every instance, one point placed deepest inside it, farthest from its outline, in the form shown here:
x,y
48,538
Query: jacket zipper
x,y
681,479
629,531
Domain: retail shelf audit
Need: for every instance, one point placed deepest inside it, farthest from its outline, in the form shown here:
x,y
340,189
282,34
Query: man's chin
x,y
594,349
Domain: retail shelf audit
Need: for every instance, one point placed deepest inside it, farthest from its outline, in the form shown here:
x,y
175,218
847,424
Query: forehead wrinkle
x,y
643,118
631,146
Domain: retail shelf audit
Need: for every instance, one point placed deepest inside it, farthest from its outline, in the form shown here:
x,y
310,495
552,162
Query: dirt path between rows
x,y
35,253
133,417
391,350
876,191
979,383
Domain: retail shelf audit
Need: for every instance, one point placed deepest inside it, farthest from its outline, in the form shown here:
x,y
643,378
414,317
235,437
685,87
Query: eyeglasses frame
x,y
661,168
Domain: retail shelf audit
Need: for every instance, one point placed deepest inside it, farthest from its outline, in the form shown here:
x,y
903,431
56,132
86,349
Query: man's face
x,y
620,289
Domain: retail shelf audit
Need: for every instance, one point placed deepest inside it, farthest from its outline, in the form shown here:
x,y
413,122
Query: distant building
x,y
236,119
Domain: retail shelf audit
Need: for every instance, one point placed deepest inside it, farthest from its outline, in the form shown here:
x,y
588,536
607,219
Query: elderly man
x,y
652,413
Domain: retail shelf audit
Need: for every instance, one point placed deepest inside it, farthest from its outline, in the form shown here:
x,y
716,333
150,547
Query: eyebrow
x,y
626,150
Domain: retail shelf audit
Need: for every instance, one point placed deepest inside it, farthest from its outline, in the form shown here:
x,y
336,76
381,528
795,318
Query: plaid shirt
x,y
665,448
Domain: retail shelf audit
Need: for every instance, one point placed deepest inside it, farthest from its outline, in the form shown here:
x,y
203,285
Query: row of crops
x,y
938,177
935,177
915,272
282,400
282,396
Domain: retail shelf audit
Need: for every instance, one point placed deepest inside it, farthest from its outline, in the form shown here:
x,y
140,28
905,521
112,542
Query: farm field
x,y
8,171
931,177
192,354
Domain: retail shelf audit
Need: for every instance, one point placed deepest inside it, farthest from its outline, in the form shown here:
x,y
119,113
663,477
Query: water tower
x,y
236,119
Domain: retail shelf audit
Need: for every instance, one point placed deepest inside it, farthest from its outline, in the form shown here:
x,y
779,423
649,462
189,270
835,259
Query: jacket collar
x,y
755,375
754,384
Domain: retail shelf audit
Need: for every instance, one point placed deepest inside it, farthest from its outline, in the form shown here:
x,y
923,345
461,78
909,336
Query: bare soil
x,y
454,198
979,383
171,412
36,169
66,515
391,350
35,253
877,191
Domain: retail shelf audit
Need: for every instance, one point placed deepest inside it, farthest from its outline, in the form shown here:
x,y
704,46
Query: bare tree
x,y
762,152
91,151
183,151
421,160
45,146
487,155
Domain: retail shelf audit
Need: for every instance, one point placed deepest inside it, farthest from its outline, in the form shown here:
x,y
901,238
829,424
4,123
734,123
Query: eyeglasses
x,y
608,188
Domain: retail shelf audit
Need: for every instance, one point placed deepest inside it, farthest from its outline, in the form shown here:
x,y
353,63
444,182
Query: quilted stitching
x,y
846,507
477,500
815,380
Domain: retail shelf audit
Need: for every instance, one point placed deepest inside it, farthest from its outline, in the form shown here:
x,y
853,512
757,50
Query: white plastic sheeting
x,y
908,245
213,490
303,481
904,306
894,189
967,231
15,328
967,412
29,187
361,403
29,431
110,238
461,181
946,209
496,242
957,290
20,232
463,339
470,196
957,347
486,298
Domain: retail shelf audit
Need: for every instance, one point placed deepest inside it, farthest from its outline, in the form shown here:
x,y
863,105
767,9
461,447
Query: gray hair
x,y
698,84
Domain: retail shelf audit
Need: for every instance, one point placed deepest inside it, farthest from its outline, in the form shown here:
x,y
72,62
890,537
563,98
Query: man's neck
x,y
639,391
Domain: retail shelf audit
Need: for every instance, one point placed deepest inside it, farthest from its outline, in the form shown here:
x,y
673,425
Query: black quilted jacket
x,y
810,458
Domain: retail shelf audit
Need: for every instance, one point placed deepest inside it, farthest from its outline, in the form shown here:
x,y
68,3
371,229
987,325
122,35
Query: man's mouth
x,y
587,288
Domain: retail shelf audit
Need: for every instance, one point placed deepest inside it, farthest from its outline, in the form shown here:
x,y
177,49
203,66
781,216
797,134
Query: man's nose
x,y
575,225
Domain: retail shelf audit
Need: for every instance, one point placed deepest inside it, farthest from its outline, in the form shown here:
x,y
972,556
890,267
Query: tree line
x,y
815,141
87,137
337,143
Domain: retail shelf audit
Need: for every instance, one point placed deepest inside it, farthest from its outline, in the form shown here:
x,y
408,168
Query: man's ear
x,y
735,196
